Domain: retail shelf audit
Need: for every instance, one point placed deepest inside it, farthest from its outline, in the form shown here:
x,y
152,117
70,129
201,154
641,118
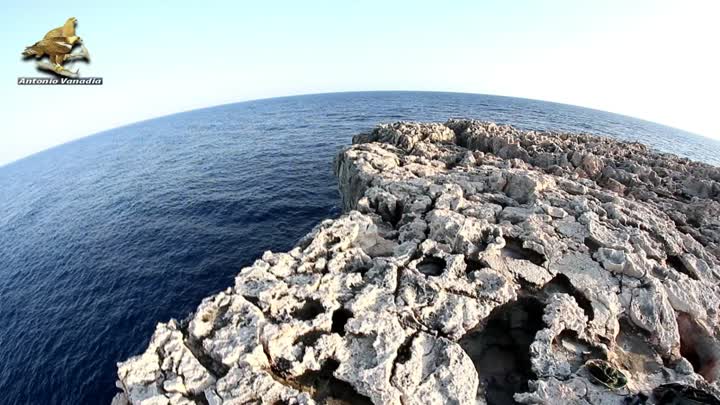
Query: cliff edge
x,y
475,263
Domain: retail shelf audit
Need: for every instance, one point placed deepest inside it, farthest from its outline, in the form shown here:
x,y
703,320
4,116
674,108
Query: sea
x,y
104,237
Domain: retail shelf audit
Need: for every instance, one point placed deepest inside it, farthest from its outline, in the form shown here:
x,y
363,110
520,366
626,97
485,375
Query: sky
x,y
652,59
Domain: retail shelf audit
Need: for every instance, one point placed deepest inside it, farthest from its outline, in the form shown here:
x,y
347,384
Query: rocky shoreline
x,y
475,263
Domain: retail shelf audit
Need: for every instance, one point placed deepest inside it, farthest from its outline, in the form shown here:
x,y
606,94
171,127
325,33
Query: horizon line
x,y
157,117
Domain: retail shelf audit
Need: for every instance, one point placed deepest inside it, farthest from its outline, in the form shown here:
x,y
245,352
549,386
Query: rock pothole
x,y
633,353
310,338
676,263
699,347
592,245
326,389
575,350
562,284
472,265
500,349
309,310
514,249
431,266
339,318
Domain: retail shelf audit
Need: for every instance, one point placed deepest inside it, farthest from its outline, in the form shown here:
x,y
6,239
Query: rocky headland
x,y
475,263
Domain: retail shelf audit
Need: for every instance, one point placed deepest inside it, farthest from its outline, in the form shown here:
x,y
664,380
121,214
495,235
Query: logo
x,y
58,45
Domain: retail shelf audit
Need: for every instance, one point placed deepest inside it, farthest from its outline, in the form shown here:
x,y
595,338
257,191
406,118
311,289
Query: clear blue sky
x,y
652,59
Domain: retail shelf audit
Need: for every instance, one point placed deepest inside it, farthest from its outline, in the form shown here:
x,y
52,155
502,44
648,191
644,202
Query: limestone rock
x,y
475,263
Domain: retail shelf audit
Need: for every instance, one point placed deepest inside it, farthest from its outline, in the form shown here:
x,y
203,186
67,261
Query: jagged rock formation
x,y
475,264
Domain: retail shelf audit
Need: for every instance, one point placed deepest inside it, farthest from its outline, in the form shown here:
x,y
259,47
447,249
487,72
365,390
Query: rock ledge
x,y
475,263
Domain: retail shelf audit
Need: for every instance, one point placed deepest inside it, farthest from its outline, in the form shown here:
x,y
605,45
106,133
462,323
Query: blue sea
x,y
103,237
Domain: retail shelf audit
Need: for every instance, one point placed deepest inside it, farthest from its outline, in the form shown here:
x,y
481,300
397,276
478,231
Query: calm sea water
x,y
102,238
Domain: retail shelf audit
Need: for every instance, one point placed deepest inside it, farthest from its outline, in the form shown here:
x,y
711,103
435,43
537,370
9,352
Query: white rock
x,y
447,229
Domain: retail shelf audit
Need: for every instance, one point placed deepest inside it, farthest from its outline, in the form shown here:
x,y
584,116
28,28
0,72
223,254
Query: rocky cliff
x,y
475,263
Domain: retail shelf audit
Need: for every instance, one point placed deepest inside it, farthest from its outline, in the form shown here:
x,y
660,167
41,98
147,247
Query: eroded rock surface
x,y
475,264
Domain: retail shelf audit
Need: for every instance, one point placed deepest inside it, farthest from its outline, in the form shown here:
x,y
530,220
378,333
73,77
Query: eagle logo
x,y
58,45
